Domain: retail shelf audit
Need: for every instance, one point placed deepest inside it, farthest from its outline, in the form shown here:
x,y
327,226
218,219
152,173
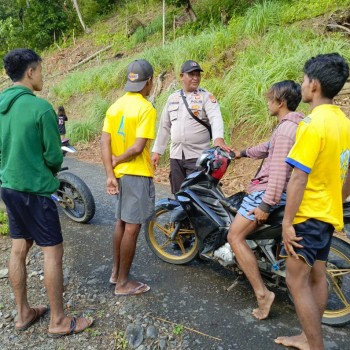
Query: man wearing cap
x,y
128,131
191,118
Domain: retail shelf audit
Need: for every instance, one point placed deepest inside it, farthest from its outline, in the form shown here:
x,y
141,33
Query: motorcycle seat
x,y
276,217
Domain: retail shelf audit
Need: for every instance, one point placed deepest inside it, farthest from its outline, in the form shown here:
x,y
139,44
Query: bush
x,y
4,224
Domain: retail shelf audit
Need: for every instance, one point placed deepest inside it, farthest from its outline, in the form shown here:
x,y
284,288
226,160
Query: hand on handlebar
x,y
219,142
237,153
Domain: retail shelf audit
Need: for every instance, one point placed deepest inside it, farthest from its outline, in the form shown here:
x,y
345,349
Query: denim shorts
x,y
252,201
32,217
317,237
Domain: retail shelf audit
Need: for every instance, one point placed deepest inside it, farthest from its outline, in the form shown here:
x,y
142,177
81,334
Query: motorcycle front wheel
x,y
180,250
337,311
75,198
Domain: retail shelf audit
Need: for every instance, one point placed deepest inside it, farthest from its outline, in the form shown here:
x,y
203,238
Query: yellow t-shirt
x,y
322,150
131,117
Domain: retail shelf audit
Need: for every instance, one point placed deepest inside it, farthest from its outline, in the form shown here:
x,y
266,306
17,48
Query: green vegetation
x,y
243,47
178,329
37,24
4,226
120,342
263,42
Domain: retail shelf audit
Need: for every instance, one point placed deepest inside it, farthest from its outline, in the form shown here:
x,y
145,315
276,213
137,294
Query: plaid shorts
x,y
252,201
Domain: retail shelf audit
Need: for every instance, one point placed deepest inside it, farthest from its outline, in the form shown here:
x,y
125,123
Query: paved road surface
x,y
192,295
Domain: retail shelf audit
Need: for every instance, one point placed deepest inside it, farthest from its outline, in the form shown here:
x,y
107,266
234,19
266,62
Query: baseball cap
x,y
139,71
190,66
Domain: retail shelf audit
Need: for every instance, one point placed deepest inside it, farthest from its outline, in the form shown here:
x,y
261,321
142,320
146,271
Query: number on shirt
x,y
121,128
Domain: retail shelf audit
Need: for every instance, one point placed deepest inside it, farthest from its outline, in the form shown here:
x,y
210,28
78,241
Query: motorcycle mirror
x,y
69,149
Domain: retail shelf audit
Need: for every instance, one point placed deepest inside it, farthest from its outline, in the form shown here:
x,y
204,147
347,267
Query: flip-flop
x,y
39,312
72,328
112,282
141,288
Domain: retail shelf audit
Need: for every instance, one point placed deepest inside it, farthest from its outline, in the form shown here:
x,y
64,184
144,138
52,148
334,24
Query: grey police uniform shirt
x,y
187,135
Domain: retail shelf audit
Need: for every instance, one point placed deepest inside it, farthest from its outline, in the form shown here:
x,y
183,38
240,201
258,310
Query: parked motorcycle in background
x,y
197,223
73,195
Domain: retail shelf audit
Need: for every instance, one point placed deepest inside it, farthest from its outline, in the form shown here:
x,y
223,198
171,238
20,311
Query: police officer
x,y
191,118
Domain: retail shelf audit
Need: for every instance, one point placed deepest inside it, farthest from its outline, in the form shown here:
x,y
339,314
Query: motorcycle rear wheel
x,y
337,311
181,250
76,199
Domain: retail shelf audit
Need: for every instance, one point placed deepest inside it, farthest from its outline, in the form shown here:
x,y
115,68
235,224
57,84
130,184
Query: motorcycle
x,y
196,223
73,195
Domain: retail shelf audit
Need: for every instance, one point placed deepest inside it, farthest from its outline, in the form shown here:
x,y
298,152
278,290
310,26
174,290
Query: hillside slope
x,y
89,74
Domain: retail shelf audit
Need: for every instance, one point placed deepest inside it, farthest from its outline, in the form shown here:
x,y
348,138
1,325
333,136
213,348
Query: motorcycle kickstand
x,y
234,284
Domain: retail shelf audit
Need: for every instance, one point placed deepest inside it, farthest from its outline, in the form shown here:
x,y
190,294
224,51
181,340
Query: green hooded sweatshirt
x,y
30,146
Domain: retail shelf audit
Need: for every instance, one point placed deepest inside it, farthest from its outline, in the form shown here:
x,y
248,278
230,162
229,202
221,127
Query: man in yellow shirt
x,y
128,131
319,184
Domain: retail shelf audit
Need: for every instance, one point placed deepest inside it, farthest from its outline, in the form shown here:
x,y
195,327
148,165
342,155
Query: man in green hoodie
x,y
30,155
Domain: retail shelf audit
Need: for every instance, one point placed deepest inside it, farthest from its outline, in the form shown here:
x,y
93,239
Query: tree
x,y
76,7
188,8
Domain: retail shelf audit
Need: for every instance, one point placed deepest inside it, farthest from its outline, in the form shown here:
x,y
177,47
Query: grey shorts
x,y
136,199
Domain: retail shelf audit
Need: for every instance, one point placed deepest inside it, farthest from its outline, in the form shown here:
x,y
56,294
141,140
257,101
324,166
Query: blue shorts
x,y
32,217
317,237
252,201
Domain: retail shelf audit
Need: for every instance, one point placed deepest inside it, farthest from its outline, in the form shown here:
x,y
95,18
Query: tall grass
x,y
82,131
100,78
264,48
277,56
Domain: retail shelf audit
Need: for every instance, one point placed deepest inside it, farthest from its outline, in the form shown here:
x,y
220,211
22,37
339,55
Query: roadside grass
x,y
264,47
284,54
86,129
4,223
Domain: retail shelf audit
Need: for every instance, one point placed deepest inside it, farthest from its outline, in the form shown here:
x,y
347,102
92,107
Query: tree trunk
x,y
76,7
190,12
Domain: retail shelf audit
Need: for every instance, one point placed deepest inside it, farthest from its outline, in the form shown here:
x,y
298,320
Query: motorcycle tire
x,y
75,197
337,311
180,250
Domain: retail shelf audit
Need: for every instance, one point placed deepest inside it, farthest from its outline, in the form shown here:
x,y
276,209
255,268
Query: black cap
x,y
190,66
139,72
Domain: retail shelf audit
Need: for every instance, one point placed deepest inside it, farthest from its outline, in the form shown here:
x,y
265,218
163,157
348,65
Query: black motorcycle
x,y
197,223
73,195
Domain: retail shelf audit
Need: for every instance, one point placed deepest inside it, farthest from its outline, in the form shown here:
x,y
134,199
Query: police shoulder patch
x,y
212,98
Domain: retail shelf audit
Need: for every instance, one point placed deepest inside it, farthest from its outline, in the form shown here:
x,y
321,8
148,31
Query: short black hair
x,y
17,61
331,70
288,91
61,110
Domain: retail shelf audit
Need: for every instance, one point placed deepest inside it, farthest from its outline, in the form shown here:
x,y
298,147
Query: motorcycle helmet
x,y
219,164
216,161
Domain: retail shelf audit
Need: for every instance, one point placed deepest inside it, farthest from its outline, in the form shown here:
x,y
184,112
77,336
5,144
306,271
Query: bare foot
x,y
297,341
264,306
